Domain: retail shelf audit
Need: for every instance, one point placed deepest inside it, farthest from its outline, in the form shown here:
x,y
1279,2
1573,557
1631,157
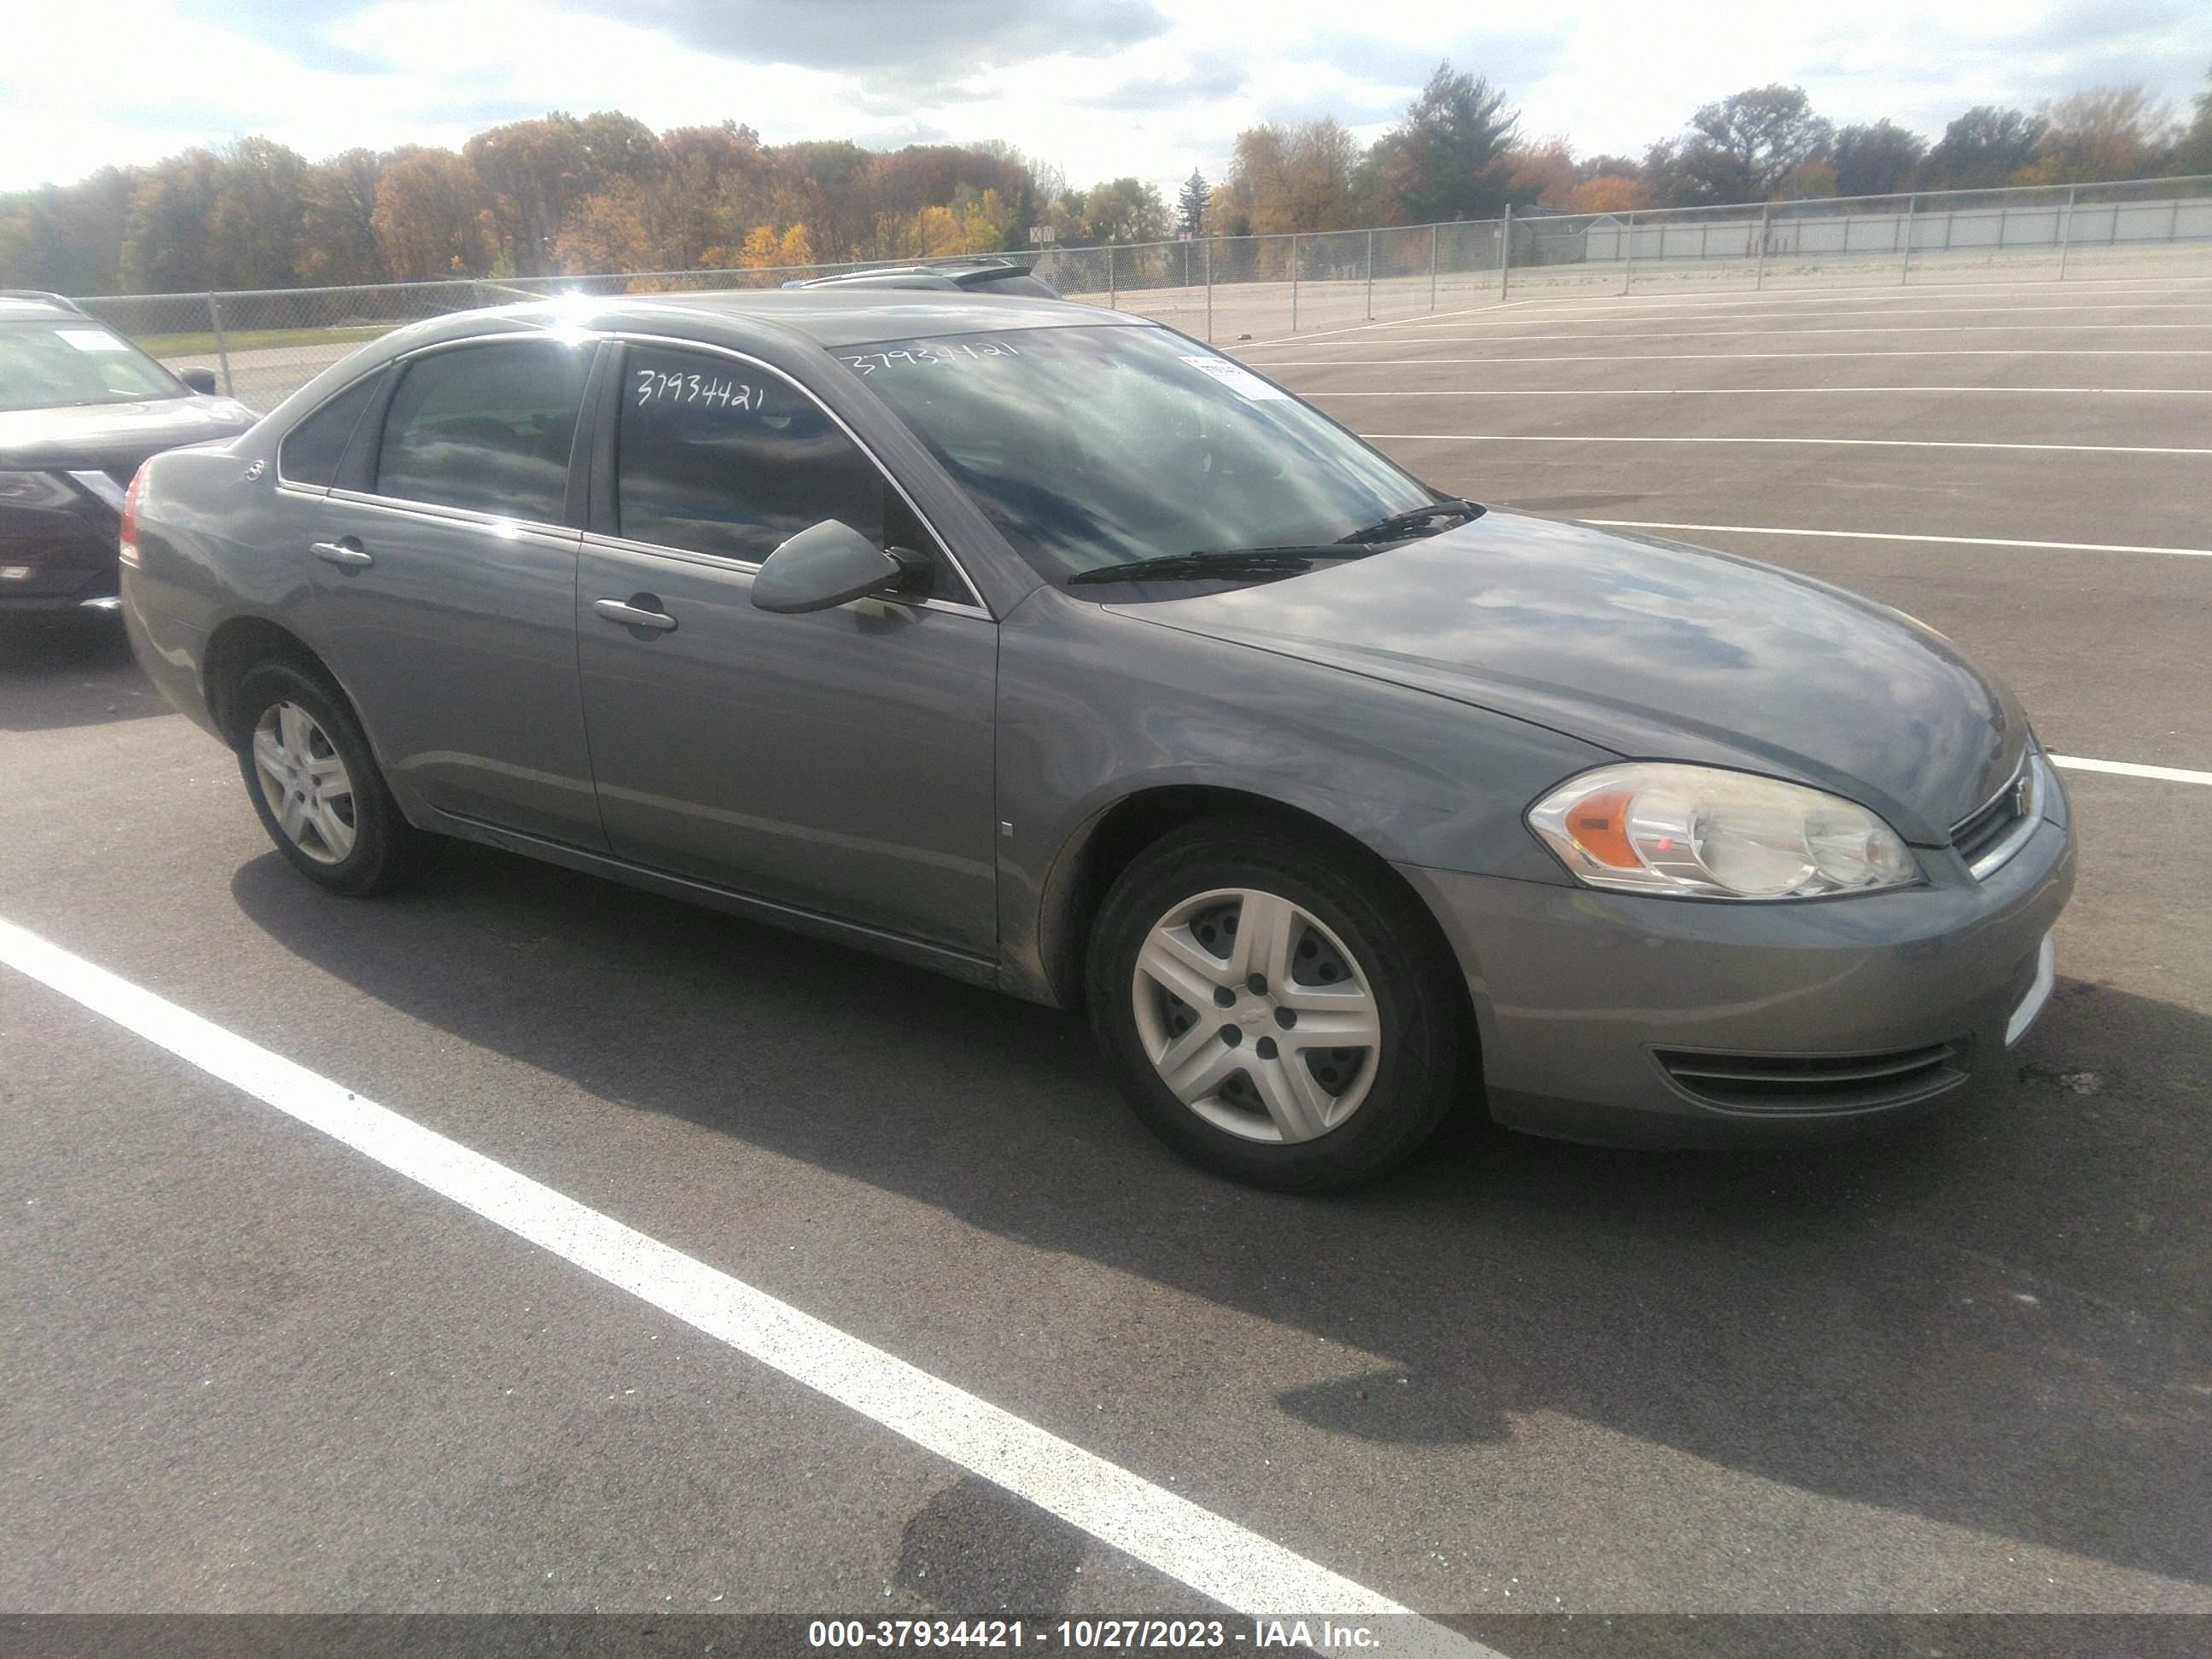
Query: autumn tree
x,y
534,173
254,219
2194,153
1982,148
1543,171
1124,210
427,217
1450,158
1739,148
164,233
1608,193
337,220
2102,133
69,239
1296,178
1875,159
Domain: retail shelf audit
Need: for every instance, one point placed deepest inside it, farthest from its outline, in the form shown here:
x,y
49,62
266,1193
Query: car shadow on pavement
x,y
1996,1318
70,672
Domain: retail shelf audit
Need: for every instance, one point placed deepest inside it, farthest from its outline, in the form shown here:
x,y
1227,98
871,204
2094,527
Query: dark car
x,y
1041,646
969,275
80,408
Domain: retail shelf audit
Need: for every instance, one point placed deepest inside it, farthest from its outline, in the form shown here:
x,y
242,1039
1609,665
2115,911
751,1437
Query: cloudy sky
x,y
1099,87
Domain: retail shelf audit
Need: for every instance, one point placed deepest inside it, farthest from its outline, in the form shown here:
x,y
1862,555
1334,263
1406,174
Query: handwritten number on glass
x,y
710,391
938,353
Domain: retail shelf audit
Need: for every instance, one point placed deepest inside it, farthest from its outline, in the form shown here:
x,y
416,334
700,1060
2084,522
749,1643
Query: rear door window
x,y
489,428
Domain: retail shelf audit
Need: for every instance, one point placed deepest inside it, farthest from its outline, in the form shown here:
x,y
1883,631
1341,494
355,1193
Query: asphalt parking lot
x,y
1967,1368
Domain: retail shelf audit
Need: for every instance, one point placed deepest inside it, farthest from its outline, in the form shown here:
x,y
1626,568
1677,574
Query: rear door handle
x,y
631,616
346,553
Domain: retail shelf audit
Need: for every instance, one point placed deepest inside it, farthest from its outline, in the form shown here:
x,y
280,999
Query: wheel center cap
x,y
1253,1013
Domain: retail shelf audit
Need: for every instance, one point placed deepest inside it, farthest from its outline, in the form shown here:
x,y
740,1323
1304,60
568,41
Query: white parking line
x,y
1214,1557
1863,443
1734,356
1899,536
1770,391
2130,769
1465,338
1594,313
1719,300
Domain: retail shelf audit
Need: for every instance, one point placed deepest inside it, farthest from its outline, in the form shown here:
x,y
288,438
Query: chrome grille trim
x,y
1990,836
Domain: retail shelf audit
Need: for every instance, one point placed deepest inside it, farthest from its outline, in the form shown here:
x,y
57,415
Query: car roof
x,y
34,306
839,316
823,317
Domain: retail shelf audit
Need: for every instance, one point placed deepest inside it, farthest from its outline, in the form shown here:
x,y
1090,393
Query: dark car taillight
x,y
126,545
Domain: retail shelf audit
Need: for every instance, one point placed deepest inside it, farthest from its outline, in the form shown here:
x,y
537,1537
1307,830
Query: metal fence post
x,y
221,348
1433,230
1628,255
1505,252
1294,282
1113,299
1758,271
1371,273
1904,264
2066,231
1208,262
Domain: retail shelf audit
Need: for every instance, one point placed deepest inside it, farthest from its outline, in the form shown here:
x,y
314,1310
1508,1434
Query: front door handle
x,y
347,553
631,616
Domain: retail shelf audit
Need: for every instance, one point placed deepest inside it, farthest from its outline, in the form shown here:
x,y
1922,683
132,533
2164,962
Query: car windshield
x,y
48,365
1095,446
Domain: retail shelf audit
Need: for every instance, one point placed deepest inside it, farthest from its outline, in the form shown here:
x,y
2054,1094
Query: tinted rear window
x,y
486,426
311,450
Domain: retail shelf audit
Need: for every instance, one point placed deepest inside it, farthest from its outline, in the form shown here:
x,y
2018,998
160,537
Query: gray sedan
x,y
1045,647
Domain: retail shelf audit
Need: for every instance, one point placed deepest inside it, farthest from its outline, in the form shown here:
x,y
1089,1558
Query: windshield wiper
x,y
1218,562
1399,524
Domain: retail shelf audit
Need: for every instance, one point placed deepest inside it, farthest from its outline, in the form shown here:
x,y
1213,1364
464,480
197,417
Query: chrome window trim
x,y
466,517
747,568
974,602
2030,819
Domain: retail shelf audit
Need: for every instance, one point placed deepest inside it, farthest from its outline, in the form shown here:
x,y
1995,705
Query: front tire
x,y
1272,1011
315,784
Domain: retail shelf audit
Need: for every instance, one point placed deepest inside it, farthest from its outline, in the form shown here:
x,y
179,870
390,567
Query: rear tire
x,y
316,785
1272,1011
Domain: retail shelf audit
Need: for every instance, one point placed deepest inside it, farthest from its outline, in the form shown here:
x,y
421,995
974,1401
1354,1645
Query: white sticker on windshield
x,y
1240,381
92,339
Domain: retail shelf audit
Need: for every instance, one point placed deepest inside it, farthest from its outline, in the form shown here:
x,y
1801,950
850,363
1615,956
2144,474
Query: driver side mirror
x,y
201,380
829,564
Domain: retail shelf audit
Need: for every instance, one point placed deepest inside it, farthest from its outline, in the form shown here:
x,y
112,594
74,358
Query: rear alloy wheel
x,y
1272,1014
315,785
305,782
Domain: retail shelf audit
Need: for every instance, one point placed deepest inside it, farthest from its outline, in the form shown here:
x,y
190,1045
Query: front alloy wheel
x,y
1275,1006
1257,1015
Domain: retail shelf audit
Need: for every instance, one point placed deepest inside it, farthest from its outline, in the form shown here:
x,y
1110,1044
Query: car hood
x,y
113,436
1653,650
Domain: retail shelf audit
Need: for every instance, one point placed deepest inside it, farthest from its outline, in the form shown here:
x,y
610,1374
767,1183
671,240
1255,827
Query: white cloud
x,y
1610,74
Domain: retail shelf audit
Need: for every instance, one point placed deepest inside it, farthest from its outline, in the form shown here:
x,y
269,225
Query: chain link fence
x,y
263,345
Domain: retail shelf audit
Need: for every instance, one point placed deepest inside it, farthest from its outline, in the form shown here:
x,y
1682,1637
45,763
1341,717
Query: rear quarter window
x,y
311,450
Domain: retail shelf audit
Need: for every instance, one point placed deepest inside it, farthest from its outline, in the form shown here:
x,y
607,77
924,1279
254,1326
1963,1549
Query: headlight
x,y
41,489
1699,832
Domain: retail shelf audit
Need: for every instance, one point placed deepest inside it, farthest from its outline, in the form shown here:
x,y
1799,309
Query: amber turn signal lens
x,y
1600,827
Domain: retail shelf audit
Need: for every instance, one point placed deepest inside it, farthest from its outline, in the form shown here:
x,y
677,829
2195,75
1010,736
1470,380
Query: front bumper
x,y
57,559
1628,1019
